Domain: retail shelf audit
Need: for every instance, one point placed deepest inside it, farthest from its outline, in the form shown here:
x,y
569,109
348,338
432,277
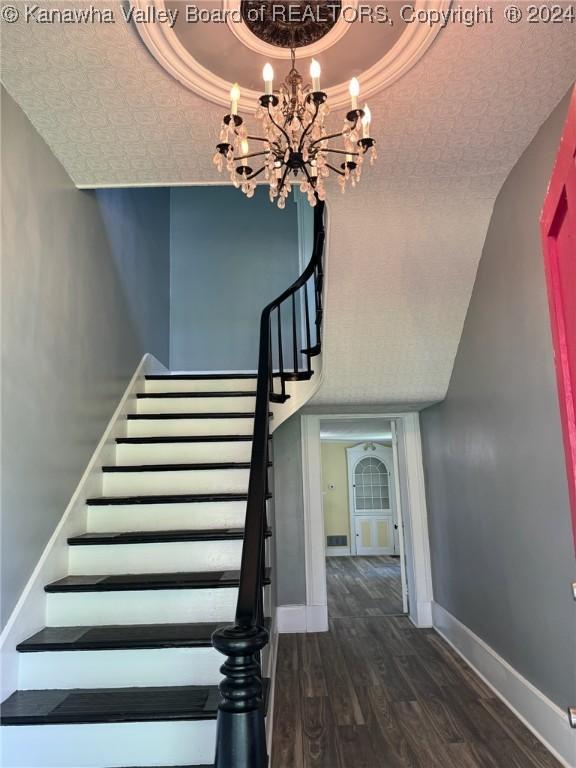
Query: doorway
x,y
328,540
361,510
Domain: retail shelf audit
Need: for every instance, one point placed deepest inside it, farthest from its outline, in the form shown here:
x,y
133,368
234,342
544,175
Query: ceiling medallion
x,y
292,23
295,143
167,49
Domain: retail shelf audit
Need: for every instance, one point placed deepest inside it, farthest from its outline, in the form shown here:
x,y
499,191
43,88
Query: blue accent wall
x,y
229,256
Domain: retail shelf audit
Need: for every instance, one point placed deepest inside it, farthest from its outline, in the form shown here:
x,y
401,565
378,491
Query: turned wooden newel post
x,y
240,729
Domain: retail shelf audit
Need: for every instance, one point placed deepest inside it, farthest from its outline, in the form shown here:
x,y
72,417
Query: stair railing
x,y
240,733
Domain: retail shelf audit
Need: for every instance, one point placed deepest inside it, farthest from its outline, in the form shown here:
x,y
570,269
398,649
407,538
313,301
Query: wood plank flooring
x,y
378,693
363,586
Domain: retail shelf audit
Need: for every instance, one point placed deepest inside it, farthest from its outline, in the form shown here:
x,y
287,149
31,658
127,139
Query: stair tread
x,y
217,415
157,395
156,537
178,467
114,705
148,581
110,705
168,498
121,636
184,439
197,376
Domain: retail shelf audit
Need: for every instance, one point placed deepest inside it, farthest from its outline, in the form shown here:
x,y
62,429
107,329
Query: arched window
x,y
371,489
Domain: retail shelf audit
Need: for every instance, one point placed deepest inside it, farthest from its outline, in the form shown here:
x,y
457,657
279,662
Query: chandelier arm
x,y
336,170
307,129
339,152
327,138
279,126
281,185
252,154
256,173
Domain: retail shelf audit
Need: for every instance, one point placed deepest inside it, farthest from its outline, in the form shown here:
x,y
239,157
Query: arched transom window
x,y
371,485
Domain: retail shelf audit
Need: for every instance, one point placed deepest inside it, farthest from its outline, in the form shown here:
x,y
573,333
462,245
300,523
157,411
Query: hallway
x,y
378,692
363,586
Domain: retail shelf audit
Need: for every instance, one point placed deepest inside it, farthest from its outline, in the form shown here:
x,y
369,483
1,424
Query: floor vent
x,y
337,541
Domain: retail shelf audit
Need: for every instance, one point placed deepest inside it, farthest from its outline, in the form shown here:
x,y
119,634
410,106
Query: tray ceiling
x,y
403,247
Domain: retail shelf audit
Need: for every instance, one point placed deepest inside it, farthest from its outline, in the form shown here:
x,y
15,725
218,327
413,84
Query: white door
x,y
372,500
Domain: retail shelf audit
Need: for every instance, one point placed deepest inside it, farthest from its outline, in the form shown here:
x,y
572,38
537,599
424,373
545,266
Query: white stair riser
x,y
190,427
195,404
200,385
119,668
174,482
163,557
183,453
159,606
166,517
109,744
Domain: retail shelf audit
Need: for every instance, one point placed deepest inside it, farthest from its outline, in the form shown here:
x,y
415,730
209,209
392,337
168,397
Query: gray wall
x,y
229,257
501,541
85,293
290,572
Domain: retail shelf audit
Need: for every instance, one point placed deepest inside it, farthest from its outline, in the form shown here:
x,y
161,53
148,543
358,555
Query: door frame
x,y
562,185
416,541
351,501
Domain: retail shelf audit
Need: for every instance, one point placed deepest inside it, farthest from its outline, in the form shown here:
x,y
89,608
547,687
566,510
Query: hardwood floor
x,y
378,693
363,586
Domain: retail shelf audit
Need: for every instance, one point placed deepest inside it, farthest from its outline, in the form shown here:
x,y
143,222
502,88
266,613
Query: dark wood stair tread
x,y
168,498
197,376
178,467
217,415
157,537
184,439
110,705
176,395
148,581
114,705
121,637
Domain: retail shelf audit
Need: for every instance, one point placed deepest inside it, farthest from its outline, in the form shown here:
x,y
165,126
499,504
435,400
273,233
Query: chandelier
x,y
295,147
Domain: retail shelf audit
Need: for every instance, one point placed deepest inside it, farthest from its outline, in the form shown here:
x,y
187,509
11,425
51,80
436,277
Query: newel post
x,y
240,729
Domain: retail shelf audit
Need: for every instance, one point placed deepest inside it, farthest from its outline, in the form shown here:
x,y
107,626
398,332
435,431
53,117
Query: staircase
x,y
129,629
125,673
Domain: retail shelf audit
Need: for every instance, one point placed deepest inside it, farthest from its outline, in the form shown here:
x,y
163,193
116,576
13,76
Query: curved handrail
x,y
257,485
240,739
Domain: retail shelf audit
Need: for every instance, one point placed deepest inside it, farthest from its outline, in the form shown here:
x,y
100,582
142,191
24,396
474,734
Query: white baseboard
x,y
423,614
545,719
29,614
302,618
337,551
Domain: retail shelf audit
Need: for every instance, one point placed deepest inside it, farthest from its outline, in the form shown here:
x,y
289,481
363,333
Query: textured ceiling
x,y
403,247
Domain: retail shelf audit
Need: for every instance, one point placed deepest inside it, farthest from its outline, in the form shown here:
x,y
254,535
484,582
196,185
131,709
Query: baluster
x,y
280,352
294,334
307,318
270,361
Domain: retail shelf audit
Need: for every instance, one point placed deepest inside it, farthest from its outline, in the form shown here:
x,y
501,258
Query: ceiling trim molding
x,y
165,46
249,39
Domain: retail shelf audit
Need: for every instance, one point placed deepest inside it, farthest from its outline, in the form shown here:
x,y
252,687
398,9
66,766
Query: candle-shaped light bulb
x,y
349,158
234,98
354,90
244,148
268,75
366,120
315,74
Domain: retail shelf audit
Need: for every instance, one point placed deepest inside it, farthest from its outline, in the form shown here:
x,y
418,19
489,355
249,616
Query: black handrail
x,y
240,737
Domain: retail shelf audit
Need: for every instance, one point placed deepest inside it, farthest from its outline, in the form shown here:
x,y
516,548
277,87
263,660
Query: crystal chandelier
x,y
295,145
